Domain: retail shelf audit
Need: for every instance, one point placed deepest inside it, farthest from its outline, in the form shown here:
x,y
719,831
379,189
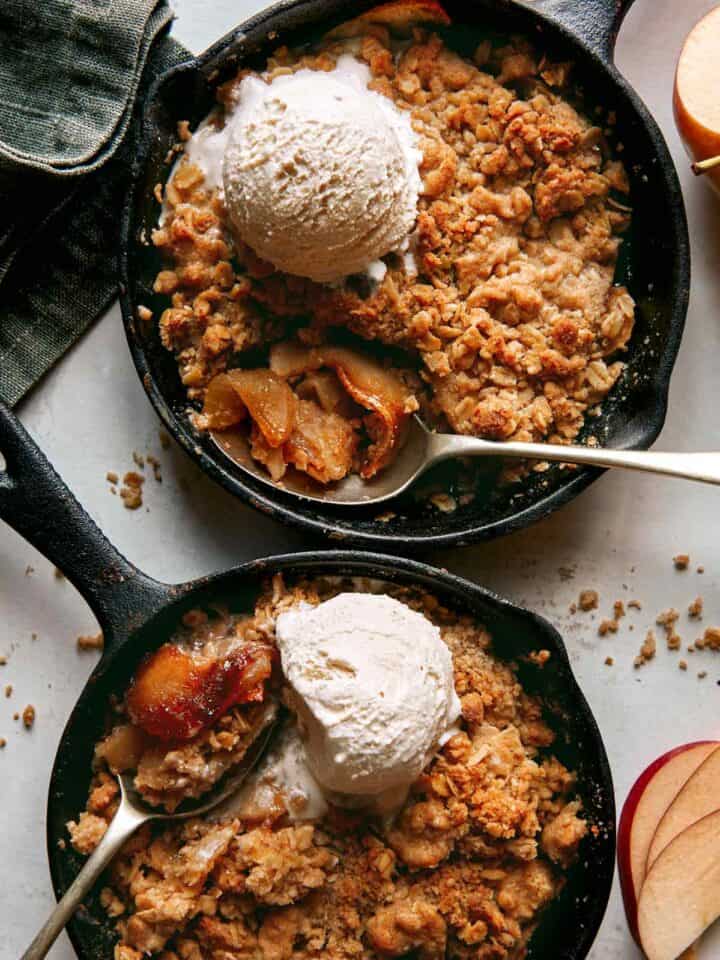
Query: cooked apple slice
x,y
695,100
681,894
651,795
398,15
698,797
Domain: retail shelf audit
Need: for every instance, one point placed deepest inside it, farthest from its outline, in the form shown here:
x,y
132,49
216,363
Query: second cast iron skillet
x,y
137,614
654,264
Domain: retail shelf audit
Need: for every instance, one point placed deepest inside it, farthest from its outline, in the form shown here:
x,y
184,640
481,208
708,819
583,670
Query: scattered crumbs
x,y
618,610
33,636
29,570
701,569
667,618
695,609
691,648
609,661
3,661
674,640
647,650
702,674
131,491
540,657
3,743
8,690
710,639
111,476
682,664
28,716
138,460
16,716
144,313
634,604
607,626
566,573
59,575
681,561
164,439
155,464
572,608
588,600
94,642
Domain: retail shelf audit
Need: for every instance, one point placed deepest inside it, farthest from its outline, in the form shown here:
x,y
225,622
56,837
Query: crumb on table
x,y
28,716
608,626
681,561
111,476
8,690
588,600
634,605
131,491
3,743
609,661
647,650
91,642
682,664
710,639
695,609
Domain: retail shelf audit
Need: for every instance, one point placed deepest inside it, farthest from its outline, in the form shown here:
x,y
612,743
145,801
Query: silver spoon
x,y
423,449
131,815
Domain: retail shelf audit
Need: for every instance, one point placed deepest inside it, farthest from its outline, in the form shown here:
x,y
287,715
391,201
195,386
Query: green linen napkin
x,y
71,75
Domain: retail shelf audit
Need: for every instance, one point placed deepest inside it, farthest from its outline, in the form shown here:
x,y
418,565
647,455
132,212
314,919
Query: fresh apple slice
x,y
681,894
699,796
399,15
695,100
649,798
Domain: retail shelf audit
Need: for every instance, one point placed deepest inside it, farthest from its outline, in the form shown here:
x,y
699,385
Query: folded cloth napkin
x,y
71,75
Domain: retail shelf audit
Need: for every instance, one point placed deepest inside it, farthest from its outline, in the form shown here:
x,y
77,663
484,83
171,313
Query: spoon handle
x,y
121,828
704,467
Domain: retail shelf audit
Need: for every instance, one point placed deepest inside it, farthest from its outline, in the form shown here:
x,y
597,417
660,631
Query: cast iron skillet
x,y
655,265
137,614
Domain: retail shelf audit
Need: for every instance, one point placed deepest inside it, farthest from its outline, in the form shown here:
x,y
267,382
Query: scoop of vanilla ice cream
x,y
320,174
372,683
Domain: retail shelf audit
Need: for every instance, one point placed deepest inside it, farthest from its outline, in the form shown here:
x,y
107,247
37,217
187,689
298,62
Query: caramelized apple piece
x,y
324,387
223,406
322,444
174,695
265,396
122,748
368,384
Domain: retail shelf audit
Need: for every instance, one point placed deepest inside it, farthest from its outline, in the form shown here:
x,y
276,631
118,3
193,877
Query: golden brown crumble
x,y
710,639
681,561
8,690
647,650
3,743
92,642
695,608
609,661
131,491
608,626
588,600
513,318
111,476
682,665
28,716
476,853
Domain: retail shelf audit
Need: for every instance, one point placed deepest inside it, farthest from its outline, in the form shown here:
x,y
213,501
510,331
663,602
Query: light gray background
x,y
91,413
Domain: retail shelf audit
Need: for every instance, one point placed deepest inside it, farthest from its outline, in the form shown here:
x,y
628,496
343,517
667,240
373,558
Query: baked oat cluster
x,y
510,320
464,870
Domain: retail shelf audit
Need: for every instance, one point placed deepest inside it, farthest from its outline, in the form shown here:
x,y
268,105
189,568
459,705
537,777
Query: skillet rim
x,y
483,605
298,513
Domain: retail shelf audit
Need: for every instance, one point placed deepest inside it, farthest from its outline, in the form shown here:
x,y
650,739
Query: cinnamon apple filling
x,y
324,410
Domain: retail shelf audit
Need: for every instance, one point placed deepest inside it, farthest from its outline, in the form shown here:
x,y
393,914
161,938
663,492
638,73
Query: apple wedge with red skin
x,y
698,797
680,897
651,795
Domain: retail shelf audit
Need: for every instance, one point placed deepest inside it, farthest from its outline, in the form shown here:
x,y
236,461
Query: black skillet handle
x,y
35,502
595,22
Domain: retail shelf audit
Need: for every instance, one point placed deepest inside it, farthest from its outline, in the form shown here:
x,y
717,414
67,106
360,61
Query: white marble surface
x,y
619,537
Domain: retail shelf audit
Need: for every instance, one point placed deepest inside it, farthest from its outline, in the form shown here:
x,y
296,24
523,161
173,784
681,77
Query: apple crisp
x,y
506,313
479,847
